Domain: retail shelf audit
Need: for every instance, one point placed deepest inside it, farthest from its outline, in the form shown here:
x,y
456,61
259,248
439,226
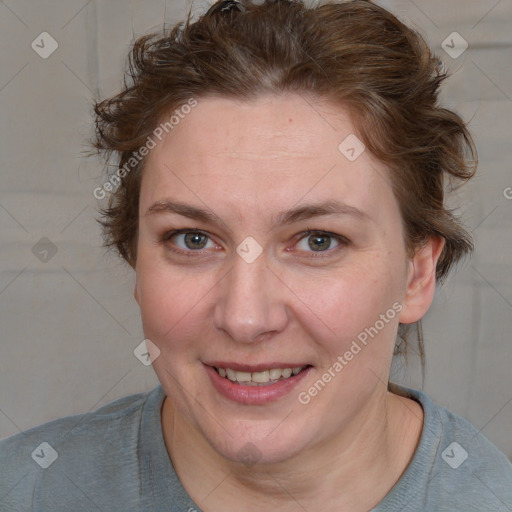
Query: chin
x,y
254,445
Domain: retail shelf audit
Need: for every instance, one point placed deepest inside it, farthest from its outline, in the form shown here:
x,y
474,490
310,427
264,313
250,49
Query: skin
x,y
246,162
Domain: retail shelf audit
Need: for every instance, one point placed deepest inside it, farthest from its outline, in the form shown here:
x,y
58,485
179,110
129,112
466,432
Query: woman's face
x,y
247,289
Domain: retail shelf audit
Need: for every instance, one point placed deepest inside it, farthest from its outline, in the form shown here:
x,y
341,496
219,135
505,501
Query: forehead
x,y
287,126
274,151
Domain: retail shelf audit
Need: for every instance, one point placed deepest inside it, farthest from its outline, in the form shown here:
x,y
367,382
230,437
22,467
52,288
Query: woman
x,y
279,195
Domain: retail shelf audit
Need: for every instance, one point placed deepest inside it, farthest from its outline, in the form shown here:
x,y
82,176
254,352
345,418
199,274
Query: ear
x,y
421,280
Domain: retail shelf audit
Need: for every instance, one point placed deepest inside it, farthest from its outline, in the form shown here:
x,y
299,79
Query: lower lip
x,y
254,395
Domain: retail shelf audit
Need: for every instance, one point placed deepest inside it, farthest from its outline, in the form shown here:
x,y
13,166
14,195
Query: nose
x,y
251,303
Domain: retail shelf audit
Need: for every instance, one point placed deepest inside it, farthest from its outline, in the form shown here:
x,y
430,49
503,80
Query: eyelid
x,y
173,232
326,232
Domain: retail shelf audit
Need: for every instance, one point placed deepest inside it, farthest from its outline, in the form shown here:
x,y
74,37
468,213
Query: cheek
x,y
169,298
342,303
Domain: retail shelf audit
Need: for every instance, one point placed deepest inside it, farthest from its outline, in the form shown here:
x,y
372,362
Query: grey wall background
x,y
69,322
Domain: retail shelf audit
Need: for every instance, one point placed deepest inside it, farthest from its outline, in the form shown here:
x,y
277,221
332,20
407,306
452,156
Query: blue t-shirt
x,y
115,459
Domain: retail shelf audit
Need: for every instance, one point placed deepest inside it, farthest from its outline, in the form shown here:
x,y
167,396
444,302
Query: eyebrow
x,y
291,216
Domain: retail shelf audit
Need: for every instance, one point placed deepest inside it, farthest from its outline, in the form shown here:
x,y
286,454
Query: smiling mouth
x,y
262,378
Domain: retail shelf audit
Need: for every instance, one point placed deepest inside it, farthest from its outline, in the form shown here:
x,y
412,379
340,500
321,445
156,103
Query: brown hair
x,y
355,54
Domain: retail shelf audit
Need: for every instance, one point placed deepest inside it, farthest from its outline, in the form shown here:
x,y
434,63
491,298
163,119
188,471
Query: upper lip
x,y
253,367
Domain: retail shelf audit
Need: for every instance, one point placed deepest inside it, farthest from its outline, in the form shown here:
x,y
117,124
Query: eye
x,y
188,240
320,241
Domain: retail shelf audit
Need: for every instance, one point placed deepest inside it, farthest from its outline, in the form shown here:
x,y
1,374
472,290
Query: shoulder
x,y
115,415
461,443
64,452
455,466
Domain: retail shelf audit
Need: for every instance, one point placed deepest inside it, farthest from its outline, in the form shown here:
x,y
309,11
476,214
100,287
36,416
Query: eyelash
x,y
343,242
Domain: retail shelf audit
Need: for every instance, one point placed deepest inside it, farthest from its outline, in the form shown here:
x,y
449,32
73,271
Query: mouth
x,y
256,384
259,378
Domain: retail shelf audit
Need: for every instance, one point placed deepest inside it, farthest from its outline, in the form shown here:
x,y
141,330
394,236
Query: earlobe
x,y
421,280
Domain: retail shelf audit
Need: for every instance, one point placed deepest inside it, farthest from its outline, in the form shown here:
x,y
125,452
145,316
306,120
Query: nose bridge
x,y
249,304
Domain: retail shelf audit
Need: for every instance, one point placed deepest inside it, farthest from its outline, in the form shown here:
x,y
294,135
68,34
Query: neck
x,y
352,470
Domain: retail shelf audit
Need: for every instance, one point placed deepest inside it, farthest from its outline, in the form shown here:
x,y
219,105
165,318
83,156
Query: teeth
x,y
287,372
243,376
260,376
255,378
275,373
